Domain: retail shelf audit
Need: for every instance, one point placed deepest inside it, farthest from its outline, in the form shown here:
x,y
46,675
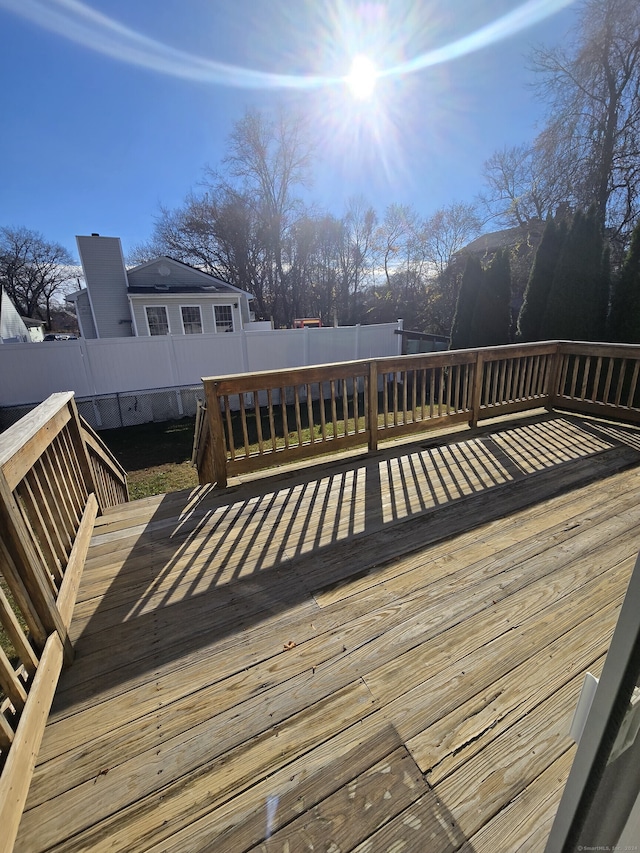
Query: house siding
x,y
84,315
173,303
106,279
12,327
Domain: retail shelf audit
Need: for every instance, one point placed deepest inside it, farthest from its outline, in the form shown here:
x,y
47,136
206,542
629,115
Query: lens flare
x,y
84,25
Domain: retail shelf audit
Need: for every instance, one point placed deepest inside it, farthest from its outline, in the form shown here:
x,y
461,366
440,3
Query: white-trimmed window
x,y
223,315
157,319
191,319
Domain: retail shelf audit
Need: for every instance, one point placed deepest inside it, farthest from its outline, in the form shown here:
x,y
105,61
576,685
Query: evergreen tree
x,y
492,314
465,306
539,285
575,307
624,316
599,332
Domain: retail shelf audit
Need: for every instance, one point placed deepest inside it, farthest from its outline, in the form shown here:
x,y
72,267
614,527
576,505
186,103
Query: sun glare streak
x,y
80,23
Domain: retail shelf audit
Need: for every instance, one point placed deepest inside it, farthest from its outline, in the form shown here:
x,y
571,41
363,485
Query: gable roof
x,y
207,283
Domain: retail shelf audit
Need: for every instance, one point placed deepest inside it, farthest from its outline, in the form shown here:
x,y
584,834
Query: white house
x,y
12,326
160,297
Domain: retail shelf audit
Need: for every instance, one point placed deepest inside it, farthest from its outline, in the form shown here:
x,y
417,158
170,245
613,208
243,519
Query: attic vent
x,y
164,270
164,287
94,234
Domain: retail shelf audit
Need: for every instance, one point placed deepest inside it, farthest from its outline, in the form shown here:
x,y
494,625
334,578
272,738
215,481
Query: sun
x,y
361,79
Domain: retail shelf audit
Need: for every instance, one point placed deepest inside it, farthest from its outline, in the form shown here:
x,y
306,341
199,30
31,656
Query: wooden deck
x,y
377,654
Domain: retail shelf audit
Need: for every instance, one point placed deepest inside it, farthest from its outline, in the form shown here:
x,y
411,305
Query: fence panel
x,y
115,366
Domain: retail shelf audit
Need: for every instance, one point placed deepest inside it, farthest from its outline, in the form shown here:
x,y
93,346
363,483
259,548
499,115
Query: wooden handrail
x,y
255,420
56,475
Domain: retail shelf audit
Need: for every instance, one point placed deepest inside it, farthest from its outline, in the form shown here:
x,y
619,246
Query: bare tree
x,y
520,187
357,253
591,141
242,225
447,231
33,271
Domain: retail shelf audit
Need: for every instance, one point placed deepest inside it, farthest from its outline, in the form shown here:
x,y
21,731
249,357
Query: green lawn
x,y
156,457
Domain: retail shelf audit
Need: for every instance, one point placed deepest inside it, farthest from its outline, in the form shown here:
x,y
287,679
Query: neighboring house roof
x,y
507,238
30,323
164,266
157,288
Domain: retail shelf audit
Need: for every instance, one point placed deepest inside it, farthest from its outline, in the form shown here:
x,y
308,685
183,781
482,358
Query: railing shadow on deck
x,y
210,566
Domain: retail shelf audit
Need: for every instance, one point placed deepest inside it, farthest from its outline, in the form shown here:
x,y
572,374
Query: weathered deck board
x,y
444,602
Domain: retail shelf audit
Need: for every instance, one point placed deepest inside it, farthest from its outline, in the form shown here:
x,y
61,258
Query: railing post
x,y
478,372
372,406
216,433
554,378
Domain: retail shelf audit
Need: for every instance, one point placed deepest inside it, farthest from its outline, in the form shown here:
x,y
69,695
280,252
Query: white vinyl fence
x,y
124,381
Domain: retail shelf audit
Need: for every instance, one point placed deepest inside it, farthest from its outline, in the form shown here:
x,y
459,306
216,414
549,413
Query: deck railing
x,y
56,475
256,420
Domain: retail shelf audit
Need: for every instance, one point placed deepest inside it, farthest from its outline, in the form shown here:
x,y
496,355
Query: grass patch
x,y
5,642
156,457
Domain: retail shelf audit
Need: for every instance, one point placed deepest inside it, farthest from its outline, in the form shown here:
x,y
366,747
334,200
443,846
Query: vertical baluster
x,y
227,416
432,391
40,527
509,382
345,407
258,416
356,406
272,423
405,397
323,420
243,421
633,385
466,402
535,378
449,387
574,377
493,393
310,417
607,382
585,378
51,499
502,370
285,419
516,379
395,398
385,399
296,405
64,499
414,395
596,380
334,411
620,385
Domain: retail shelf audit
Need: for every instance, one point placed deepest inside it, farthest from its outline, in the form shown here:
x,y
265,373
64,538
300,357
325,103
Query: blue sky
x,y
94,141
